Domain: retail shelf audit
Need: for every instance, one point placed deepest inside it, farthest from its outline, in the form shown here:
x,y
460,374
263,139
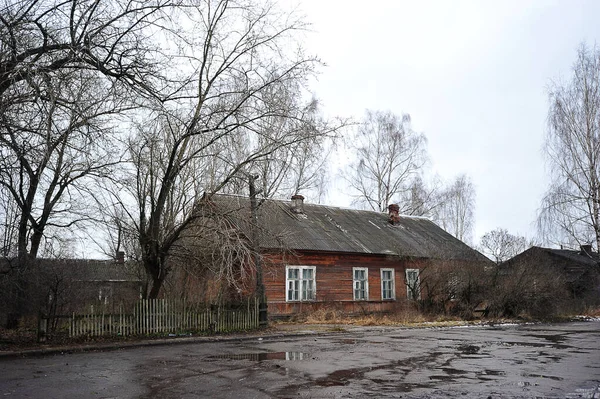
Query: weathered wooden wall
x,y
334,281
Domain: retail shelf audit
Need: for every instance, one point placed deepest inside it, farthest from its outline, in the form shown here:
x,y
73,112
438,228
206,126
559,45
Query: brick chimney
x,y
586,250
394,216
297,203
120,257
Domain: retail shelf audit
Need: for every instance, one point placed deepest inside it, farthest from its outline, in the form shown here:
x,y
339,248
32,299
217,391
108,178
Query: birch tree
x,y
570,212
389,157
456,215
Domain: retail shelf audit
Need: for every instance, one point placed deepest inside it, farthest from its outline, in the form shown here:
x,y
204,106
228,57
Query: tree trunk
x,y
156,286
36,239
153,265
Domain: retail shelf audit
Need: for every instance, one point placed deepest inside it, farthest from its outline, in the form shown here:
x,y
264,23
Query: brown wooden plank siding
x,y
334,281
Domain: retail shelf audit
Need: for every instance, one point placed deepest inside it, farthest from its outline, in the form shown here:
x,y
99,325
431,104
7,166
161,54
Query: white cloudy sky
x,y
473,75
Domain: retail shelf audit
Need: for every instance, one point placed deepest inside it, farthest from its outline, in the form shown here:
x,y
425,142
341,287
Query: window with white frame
x,y
413,289
388,289
300,282
361,283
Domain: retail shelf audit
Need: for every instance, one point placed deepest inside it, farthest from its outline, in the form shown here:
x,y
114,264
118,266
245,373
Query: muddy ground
x,y
561,361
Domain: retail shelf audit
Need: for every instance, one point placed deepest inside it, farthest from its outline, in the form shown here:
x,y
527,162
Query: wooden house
x,y
355,260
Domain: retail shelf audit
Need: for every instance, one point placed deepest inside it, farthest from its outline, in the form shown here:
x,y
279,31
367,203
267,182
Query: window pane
x,y
309,292
307,273
292,288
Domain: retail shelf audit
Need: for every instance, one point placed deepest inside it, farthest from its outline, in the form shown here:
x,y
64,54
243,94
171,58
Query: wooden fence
x,y
164,316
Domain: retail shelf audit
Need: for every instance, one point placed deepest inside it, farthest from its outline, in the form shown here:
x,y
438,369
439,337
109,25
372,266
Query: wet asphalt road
x,y
561,361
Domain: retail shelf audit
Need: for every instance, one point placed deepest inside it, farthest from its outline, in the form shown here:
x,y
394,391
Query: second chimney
x,y
394,216
297,203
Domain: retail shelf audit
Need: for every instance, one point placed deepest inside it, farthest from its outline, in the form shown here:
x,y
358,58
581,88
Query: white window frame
x,y
299,281
392,280
366,281
418,282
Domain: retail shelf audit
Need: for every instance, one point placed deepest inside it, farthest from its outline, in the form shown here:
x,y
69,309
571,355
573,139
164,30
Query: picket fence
x,y
164,316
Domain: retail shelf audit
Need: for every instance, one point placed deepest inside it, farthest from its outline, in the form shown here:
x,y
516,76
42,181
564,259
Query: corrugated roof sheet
x,y
576,256
575,263
333,229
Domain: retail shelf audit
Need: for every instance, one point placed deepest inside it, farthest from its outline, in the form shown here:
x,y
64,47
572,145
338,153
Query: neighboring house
x,y
572,274
60,286
102,281
355,260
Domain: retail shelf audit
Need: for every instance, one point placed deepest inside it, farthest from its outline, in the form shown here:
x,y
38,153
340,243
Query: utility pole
x,y
260,286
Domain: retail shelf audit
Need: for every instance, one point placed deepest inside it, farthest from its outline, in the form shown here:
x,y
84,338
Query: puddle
x,y
536,345
339,377
344,377
469,349
453,371
493,372
442,377
551,377
262,356
555,339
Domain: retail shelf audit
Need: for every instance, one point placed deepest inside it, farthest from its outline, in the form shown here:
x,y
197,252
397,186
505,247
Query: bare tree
x,y
500,245
229,96
38,38
570,211
423,198
389,160
66,71
50,149
301,167
9,216
457,212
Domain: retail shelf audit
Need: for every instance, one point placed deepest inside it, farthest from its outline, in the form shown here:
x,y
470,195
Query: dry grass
x,y
403,315
593,312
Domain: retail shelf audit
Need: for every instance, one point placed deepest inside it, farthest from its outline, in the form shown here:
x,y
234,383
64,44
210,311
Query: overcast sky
x,y
473,75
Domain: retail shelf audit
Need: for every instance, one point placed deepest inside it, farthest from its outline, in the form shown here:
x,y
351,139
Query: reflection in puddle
x,y
259,357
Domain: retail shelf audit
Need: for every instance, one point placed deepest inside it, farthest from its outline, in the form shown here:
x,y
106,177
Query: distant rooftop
x,y
85,269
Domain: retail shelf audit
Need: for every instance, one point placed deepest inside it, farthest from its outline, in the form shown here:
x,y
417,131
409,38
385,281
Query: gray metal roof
x,y
575,263
333,229
576,256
